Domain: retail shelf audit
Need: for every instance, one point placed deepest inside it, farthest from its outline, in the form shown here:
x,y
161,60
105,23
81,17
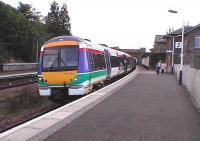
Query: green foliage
x,y
52,19
57,21
65,26
29,12
19,35
23,28
4,54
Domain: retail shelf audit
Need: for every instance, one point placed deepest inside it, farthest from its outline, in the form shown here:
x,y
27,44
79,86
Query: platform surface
x,y
149,108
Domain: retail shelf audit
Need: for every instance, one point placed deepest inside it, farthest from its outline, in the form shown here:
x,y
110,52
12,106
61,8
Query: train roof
x,y
77,39
65,38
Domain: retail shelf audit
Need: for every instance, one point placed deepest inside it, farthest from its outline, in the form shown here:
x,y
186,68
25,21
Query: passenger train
x,y
70,66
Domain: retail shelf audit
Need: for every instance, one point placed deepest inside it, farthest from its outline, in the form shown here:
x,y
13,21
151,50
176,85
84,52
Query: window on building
x,y
197,41
197,62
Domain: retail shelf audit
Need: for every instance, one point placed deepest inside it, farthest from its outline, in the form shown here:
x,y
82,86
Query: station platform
x,y
148,107
14,73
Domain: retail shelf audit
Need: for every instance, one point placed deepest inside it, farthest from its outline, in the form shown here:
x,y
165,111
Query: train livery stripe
x,y
81,78
91,50
84,77
61,43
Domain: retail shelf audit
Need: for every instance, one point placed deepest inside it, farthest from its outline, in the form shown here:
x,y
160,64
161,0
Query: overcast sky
x,y
124,23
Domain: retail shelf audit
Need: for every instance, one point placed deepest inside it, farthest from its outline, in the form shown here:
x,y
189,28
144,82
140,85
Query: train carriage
x,y
72,66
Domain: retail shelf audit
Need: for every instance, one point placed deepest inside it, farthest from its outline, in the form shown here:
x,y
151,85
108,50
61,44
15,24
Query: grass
x,y
25,100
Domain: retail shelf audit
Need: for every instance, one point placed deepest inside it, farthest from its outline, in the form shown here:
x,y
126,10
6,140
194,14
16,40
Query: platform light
x,y
182,45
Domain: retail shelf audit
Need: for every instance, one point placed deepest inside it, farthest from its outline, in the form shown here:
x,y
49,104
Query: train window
x,y
128,61
121,59
60,58
91,61
115,61
99,61
50,59
69,57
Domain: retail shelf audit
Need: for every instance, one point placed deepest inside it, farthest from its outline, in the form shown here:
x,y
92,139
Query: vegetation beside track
x,y
21,105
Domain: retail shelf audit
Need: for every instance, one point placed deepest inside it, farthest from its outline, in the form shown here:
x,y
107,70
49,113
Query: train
x,y
72,66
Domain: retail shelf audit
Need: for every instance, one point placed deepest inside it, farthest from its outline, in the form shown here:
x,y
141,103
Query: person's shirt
x,y
159,64
163,66
125,61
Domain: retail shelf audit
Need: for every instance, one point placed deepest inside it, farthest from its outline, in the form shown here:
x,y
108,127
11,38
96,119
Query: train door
x,y
107,61
91,65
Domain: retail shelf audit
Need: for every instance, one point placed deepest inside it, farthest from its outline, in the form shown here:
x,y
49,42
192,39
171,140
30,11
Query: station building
x,y
164,44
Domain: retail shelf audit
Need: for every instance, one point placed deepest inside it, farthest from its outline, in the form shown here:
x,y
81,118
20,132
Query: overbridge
x,y
138,53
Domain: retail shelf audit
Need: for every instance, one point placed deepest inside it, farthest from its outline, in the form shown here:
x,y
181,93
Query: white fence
x,y
19,66
191,80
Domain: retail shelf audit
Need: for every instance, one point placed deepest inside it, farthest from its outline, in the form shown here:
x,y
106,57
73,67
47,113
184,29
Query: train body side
x,y
93,64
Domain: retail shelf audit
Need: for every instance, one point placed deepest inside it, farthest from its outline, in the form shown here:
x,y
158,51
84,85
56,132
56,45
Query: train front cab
x,y
58,69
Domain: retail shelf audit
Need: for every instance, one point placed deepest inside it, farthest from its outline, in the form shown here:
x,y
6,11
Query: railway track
x,y
34,113
13,122
9,81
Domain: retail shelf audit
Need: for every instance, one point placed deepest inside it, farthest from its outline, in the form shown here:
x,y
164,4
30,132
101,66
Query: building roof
x,y
153,54
159,39
194,27
133,50
179,31
129,50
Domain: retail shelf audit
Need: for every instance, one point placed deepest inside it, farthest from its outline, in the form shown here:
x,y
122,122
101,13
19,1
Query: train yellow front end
x,y
58,67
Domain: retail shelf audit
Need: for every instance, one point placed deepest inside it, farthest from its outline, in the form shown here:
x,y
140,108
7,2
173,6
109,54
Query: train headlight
x,y
76,78
40,78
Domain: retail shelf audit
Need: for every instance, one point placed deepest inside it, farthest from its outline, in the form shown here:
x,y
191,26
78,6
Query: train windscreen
x,y
60,58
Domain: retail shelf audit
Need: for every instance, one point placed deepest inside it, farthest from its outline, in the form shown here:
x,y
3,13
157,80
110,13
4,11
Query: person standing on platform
x,y
158,65
163,66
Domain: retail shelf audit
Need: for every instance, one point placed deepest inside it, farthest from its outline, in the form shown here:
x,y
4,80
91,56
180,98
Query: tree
x,y
52,19
65,26
29,12
57,21
18,35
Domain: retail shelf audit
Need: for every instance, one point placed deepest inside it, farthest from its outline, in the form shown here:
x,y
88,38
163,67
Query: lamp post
x,y
181,55
173,55
181,65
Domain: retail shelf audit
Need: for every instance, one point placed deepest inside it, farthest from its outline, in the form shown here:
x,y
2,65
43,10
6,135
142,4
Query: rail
x,y
15,80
